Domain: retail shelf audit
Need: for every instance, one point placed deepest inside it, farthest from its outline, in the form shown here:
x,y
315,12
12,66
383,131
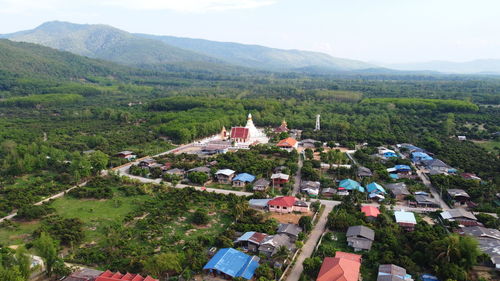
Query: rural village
x,y
300,209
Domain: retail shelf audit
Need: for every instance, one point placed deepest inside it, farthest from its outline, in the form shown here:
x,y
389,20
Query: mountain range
x,y
157,52
169,53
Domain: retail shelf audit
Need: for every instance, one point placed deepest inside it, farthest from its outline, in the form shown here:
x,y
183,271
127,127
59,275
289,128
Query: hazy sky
x,y
370,30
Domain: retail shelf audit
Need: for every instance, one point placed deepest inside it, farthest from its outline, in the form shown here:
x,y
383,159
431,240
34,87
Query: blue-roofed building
x,y
428,277
349,184
402,168
243,179
394,176
231,263
420,156
411,148
375,188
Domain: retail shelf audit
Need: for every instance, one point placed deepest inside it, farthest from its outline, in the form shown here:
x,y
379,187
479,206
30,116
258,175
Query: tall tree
x,y
46,248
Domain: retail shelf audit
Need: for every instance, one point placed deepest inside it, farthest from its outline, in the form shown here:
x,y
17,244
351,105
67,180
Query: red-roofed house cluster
x,y
87,274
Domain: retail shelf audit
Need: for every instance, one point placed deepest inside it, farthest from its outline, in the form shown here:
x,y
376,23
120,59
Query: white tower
x,y
317,123
254,132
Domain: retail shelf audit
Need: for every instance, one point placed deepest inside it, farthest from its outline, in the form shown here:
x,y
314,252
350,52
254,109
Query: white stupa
x,y
254,132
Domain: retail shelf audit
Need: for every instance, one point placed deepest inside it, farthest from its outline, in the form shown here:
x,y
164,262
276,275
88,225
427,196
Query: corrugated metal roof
x,y
233,263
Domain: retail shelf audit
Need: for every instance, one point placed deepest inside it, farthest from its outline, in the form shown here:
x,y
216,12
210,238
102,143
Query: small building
x,y
360,237
428,277
398,190
84,274
489,242
417,157
400,169
462,138
328,192
375,188
288,144
461,216
129,155
291,230
364,172
279,179
147,163
391,272
470,176
259,204
350,185
261,185
230,263
424,200
370,212
214,149
117,276
387,153
241,180
308,143
201,169
458,195
310,187
250,241
272,243
175,172
436,165
225,176
343,267
287,204
406,220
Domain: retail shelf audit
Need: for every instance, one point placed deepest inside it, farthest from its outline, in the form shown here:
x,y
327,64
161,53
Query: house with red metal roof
x,y
370,211
287,204
343,267
288,143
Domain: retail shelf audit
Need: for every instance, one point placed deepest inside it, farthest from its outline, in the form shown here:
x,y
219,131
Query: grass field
x,y
493,145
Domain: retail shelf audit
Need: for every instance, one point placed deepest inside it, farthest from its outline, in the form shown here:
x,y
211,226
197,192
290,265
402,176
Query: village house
x,y
375,188
230,263
406,220
291,230
459,196
175,172
436,165
425,201
308,143
241,180
310,187
288,144
287,204
225,176
261,185
418,157
364,172
272,243
350,185
370,212
470,176
250,241
201,169
391,272
398,190
328,192
386,153
461,216
279,179
343,267
400,169
360,237
259,204
214,149
129,155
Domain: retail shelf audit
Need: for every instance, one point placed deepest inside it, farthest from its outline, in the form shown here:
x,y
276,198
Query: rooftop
x,y
233,263
244,177
405,217
225,172
370,211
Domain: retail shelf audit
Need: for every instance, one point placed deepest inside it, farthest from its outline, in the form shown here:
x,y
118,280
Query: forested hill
x,y
26,59
263,57
111,44
173,53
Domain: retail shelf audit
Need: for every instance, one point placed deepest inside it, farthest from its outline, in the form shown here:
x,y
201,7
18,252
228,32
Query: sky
x,y
381,31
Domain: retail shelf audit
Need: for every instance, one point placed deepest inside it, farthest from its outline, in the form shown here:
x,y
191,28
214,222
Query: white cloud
x,y
195,6
187,6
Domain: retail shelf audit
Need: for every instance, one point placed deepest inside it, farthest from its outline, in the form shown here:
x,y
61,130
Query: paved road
x,y
434,192
298,176
310,244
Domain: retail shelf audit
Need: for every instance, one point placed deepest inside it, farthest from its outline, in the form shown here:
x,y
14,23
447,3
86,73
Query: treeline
x,y
431,104
41,100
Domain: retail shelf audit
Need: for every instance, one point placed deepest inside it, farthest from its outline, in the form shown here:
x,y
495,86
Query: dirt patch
x,y
288,218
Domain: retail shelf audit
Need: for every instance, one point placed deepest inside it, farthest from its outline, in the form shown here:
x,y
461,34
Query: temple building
x,y
283,128
247,135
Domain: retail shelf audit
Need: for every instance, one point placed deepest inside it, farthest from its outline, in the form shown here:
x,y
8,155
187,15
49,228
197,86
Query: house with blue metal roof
x,y
420,156
375,188
243,179
231,263
349,184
